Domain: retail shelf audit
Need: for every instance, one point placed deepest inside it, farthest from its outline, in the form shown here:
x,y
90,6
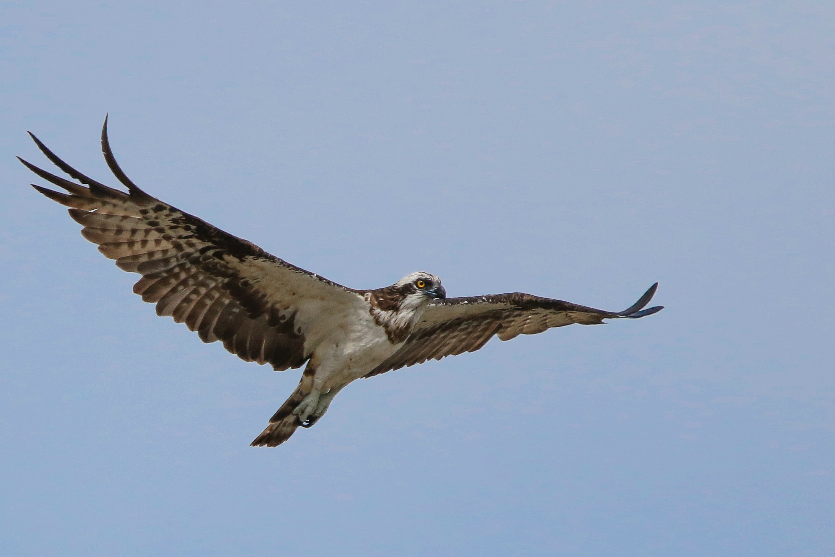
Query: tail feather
x,y
291,403
277,432
284,423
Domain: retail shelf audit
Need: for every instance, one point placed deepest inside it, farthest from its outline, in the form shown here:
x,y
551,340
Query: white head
x,y
426,285
399,306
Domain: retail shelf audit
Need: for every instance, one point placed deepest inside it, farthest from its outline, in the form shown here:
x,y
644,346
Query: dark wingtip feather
x,y
117,171
30,166
57,180
97,188
61,198
641,303
644,313
37,141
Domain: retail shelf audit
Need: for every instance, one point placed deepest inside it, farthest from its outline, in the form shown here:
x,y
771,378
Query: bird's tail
x,y
277,432
284,423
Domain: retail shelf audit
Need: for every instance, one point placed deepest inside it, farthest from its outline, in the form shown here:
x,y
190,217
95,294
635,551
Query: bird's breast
x,y
352,351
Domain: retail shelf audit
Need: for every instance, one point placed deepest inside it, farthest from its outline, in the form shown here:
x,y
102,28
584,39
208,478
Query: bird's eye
x,y
420,283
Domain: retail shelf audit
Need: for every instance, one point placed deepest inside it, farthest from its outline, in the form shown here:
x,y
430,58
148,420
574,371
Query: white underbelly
x,y
351,356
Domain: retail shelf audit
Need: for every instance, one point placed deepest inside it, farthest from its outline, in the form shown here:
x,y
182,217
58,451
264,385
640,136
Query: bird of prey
x,y
268,311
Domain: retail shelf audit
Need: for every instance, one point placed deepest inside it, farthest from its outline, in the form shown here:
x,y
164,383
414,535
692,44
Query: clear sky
x,y
580,151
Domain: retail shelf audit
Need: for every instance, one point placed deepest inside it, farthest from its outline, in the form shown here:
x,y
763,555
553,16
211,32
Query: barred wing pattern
x,y
263,309
456,325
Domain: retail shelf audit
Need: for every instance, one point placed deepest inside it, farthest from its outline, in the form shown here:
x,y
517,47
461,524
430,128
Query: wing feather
x,y
197,293
458,325
206,330
268,348
262,308
195,315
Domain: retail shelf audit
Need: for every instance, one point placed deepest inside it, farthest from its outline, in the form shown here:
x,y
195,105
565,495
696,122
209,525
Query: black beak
x,y
438,292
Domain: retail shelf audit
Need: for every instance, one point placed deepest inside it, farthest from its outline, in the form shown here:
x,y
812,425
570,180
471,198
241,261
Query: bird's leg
x,y
322,407
307,406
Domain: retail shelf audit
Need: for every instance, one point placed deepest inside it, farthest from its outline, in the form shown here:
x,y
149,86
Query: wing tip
x,y
96,188
62,198
27,164
135,191
634,310
38,142
644,312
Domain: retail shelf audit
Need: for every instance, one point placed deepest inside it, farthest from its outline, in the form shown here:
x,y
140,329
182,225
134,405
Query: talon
x,y
314,407
310,421
307,406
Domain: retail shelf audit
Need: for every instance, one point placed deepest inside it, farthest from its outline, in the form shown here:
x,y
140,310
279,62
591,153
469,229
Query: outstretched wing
x,y
262,308
458,325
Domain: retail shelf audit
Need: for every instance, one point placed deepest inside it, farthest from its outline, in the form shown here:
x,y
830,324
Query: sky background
x,y
580,151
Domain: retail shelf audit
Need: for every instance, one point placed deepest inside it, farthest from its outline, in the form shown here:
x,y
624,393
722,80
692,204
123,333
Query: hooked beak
x,y
438,292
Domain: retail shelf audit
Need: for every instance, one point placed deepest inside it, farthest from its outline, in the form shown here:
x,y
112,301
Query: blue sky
x,y
579,151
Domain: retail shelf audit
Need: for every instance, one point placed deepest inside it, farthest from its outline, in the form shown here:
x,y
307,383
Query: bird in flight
x,y
266,310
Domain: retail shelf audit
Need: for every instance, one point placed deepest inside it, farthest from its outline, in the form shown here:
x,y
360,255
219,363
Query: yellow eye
x,y
420,283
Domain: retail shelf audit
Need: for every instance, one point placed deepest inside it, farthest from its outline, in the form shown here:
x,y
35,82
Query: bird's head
x,y
421,286
408,296
399,306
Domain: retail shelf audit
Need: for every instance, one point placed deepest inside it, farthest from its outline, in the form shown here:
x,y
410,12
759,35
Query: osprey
x,y
268,311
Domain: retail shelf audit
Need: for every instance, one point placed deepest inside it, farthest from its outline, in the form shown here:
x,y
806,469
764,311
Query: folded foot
x,y
307,407
323,401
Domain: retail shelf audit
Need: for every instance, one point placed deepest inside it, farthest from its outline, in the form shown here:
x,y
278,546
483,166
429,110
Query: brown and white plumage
x,y
266,310
456,325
